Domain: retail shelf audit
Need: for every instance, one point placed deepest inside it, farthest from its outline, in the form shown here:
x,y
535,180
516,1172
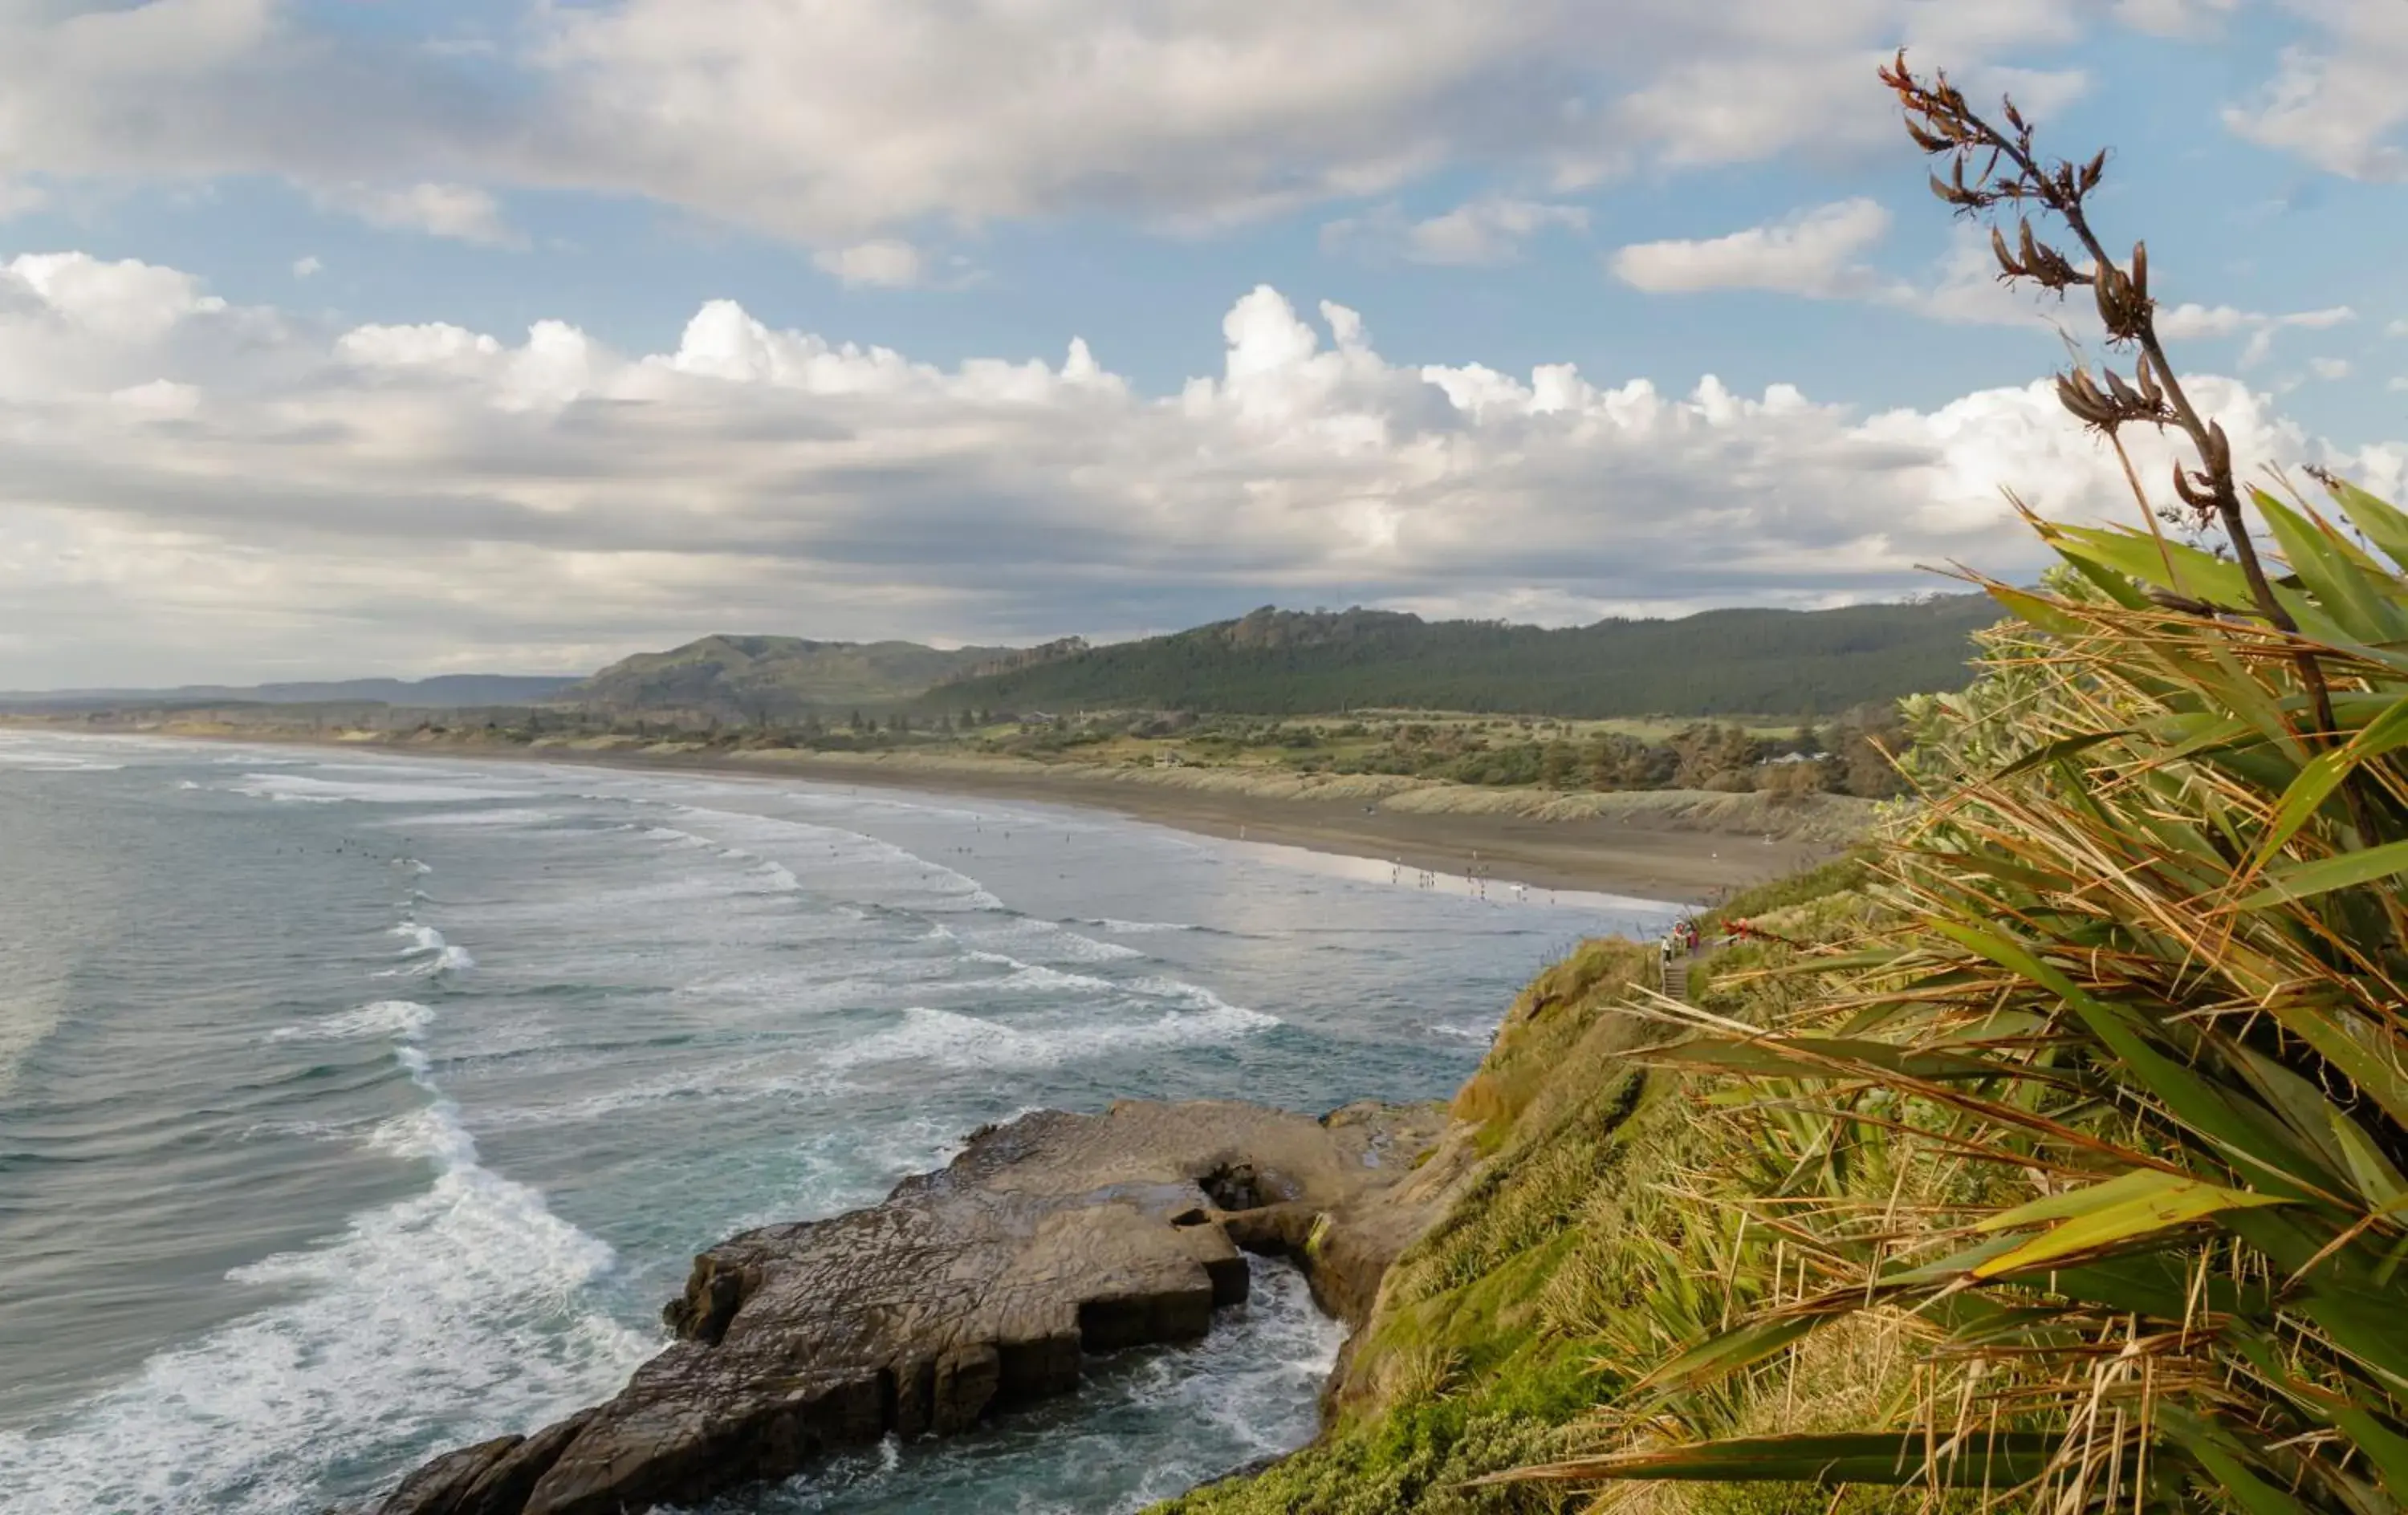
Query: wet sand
x,y
1604,856
1670,862
1644,854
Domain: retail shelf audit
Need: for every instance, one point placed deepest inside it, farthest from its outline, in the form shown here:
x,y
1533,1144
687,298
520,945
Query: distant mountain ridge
x,y
1744,661
450,691
1271,662
756,679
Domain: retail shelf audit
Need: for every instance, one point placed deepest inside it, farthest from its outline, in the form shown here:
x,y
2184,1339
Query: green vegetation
x,y
2050,1156
2129,1025
1580,1256
1848,755
755,679
1721,662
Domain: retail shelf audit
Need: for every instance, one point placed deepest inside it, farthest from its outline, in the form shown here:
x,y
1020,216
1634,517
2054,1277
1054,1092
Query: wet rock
x,y
968,1291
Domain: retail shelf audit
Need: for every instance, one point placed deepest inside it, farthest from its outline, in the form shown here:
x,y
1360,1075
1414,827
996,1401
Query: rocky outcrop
x,y
968,1291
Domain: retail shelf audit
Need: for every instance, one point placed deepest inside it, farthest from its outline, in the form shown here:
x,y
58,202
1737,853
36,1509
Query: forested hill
x,y
778,677
1751,662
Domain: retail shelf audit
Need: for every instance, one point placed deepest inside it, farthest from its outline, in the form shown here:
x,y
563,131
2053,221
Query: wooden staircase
x,y
1676,978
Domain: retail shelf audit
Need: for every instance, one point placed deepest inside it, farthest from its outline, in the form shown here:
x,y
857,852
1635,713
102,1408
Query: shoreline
x,y
1669,846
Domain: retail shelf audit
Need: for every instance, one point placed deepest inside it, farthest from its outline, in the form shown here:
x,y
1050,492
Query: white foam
x,y
1046,938
422,938
447,1318
1479,1034
1134,927
505,817
40,763
428,943
1038,978
846,1169
969,1042
1182,991
186,783
877,866
309,790
385,1017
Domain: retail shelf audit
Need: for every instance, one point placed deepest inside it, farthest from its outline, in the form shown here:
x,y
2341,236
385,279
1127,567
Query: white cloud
x,y
834,123
2330,369
307,266
1488,231
2175,18
2336,101
2266,328
458,211
2197,322
1818,252
189,488
1824,254
2186,323
882,264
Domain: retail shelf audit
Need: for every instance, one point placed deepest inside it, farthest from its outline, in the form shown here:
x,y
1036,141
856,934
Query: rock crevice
x,y
968,1291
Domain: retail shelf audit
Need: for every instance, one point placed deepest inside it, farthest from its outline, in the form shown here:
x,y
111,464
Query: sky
x,y
413,336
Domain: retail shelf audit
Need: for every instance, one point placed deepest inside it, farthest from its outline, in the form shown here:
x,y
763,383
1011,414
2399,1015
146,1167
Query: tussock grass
x,y
2091,1165
1572,1262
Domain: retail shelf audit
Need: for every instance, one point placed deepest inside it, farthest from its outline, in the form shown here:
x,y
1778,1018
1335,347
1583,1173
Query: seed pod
x,y
1939,187
2140,269
2128,397
2030,248
2007,264
2109,309
2189,495
2083,400
2219,449
2093,170
2145,371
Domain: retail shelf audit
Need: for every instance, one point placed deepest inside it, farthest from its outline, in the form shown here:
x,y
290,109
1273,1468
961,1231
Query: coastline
x,y
1675,846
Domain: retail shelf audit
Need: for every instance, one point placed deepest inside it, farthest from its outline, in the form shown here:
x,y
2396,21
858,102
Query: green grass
x,y
1572,1262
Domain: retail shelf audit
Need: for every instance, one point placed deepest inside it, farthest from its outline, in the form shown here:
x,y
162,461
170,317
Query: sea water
x,y
354,1107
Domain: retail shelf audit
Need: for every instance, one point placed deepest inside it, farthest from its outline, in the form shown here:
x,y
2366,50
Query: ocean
x,y
354,1107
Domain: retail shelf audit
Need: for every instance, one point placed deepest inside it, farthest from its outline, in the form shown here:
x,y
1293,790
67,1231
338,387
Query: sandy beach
x,y
1672,845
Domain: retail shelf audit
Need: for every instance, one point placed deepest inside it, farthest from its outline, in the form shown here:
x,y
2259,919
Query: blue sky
x,y
349,335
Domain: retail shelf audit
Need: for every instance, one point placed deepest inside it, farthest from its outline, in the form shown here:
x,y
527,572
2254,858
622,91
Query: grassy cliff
x,y
1580,1256
2077,1180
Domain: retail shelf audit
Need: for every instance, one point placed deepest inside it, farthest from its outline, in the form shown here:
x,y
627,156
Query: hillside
x,y
1719,663
442,693
1581,1254
758,679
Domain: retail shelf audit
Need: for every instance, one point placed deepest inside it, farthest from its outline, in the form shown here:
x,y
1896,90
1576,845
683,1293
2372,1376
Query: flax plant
x,y
2132,1036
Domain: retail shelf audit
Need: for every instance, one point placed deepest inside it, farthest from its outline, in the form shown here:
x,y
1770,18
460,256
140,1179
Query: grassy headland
x,y
1583,1253
2049,1157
